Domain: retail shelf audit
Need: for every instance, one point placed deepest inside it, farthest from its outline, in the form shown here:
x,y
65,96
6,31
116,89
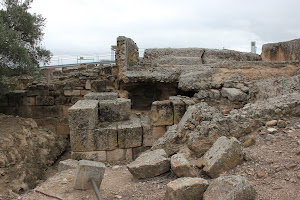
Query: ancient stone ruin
x,y
188,110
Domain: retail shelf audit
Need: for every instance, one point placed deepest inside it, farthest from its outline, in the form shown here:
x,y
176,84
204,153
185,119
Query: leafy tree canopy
x,y
21,33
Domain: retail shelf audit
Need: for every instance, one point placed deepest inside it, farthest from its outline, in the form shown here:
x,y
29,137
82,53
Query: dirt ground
x,y
272,166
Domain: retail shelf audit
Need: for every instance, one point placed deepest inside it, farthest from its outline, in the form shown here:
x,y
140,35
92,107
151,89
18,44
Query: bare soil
x,y
272,166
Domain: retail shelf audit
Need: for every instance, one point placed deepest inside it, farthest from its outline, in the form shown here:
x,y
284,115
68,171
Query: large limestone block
x,y
182,167
105,137
82,140
83,115
179,108
114,110
168,142
85,171
101,96
234,94
186,189
99,156
230,188
67,164
147,130
225,154
162,113
151,164
130,133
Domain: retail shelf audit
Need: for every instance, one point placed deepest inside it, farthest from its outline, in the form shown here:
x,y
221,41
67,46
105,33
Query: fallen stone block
x,y
151,164
168,142
130,133
161,113
101,96
225,154
234,94
230,188
99,156
85,171
114,110
83,115
67,164
186,188
182,167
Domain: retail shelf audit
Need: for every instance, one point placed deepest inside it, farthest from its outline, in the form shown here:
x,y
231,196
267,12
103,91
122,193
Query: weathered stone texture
x,y
162,113
105,137
230,188
101,96
44,100
67,164
130,134
99,156
150,164
234,94
225,154
119,155
282,51
86,170
114,110
83,115
186,188
182,167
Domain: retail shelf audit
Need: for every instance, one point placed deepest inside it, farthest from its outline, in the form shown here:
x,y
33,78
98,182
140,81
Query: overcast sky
x,y
91,26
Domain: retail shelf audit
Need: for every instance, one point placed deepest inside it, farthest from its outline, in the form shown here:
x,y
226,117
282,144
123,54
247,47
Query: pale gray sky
x,y
92,26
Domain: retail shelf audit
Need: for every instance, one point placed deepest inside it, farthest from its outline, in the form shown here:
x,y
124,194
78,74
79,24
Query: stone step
x,y
101,96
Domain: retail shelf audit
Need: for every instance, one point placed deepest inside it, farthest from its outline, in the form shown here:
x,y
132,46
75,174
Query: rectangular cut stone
x,y
101,96
72,92
85,171
161,113
67,164
106,137
44,101
99,156
178,108
82,140
158,132
83,115
148,139
28,101
114,110
119,155
130,134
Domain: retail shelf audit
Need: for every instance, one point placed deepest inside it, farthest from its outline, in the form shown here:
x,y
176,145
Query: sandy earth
x,y
273,167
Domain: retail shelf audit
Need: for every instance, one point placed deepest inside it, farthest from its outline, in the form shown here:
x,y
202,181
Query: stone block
x,y
147,130
98,85
85,171
28,101
130,133
105,137
101,96
119,155
72,92
84,92
99,156
182,167
67,164
225,154
161,113
158,132
186,188
230,188
83,115
151,164
234,94
82,140
137,151
179,110
114,110
88,85
44,101
46,111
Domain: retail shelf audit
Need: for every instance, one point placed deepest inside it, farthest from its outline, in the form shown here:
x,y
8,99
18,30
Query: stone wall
x,y
48,100
282,51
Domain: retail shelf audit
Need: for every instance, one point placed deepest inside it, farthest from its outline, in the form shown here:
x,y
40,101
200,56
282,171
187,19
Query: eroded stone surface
x,y
182,167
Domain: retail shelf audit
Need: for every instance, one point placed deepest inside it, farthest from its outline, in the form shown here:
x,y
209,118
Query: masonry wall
x,y
48,100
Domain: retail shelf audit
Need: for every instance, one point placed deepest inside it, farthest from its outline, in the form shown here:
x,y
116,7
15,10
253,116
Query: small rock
x,y
271,123
271,130
64,181
290,166
250,141
298,141
281,124
276,187
260,175
116,167
270,137
118,196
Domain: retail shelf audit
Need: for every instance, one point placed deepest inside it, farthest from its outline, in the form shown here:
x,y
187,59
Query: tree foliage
x,y
21,33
